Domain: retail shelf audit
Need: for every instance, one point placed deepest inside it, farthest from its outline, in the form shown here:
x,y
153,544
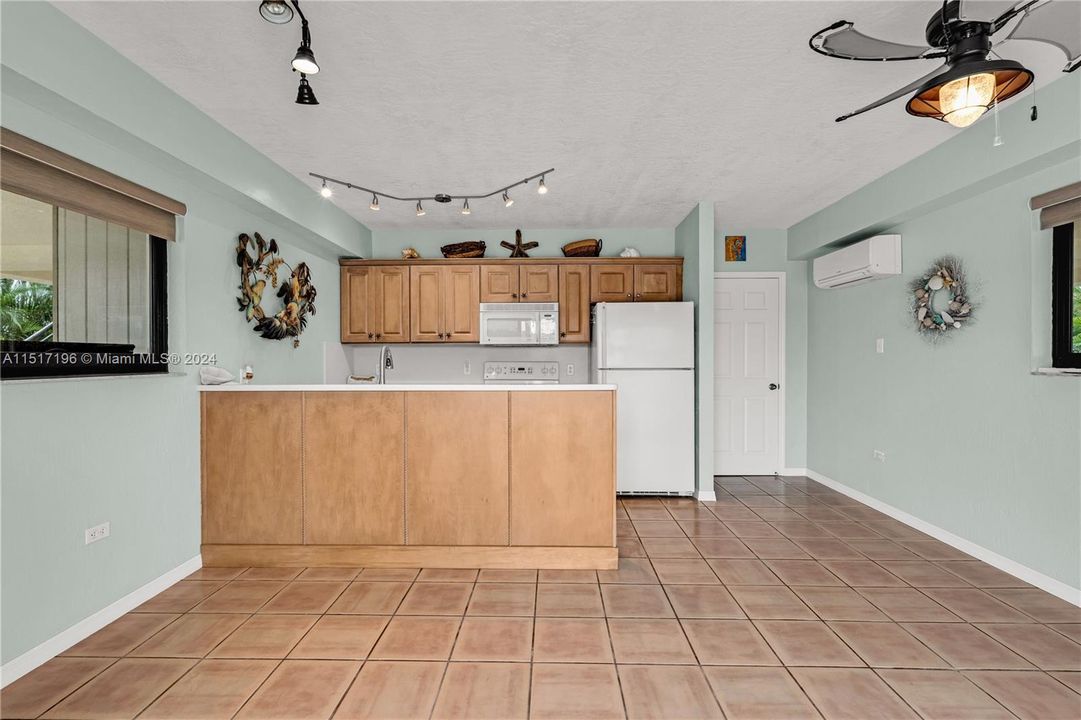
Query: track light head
x,y
420,209
542,189
325,191
465,208
276,11
375,203
507,199
305,94
304,61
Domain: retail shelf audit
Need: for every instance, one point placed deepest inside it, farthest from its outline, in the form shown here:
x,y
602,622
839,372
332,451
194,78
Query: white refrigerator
x,y
647,351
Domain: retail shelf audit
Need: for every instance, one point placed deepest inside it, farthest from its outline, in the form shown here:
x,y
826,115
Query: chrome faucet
x,y
386,362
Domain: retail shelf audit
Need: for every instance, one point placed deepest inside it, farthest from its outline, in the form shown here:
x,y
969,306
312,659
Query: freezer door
x,y
655,430
645,335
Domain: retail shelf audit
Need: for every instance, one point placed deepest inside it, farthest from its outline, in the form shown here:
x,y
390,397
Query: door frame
x,y
782,307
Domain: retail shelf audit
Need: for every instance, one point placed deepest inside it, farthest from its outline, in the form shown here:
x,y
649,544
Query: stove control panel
x,y
522,372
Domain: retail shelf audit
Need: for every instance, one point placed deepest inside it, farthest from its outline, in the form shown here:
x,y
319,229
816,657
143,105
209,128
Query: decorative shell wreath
x,y
297,293
940,298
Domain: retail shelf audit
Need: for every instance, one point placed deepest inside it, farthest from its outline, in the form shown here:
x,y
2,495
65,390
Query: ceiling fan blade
x,y
907,89
1010,12
841,40
1054,23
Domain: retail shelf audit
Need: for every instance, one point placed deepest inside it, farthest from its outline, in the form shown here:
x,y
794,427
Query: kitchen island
x,y
409,476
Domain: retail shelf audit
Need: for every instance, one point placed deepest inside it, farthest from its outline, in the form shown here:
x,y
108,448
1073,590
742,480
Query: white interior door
x,y
747,375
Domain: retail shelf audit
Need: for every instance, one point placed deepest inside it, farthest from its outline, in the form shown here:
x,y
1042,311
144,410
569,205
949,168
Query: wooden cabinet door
x,y
461,306
355,304
457,467
354,468
390,304
540,283
658,283
611,283
499,283
563,479
426,303
574,303
251,468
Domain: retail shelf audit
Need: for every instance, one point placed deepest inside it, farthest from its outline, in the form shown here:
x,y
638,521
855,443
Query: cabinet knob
x,y
524,295
379,336
514,295
370,336
440,336
628,294
562,334
638,295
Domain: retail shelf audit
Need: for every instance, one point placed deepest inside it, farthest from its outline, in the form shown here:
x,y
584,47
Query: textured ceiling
x,y
643,108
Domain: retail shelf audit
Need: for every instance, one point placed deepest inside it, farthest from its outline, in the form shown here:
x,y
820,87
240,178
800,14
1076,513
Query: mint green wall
x,y
389,243
767,252
79,452
694,242
974,442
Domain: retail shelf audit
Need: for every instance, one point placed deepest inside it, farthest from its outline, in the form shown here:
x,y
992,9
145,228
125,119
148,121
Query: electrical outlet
x,y
466,369
879,455
880,345
570,369
98,532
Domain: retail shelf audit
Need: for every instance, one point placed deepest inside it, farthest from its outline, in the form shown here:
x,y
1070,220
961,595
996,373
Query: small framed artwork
x,y
735,248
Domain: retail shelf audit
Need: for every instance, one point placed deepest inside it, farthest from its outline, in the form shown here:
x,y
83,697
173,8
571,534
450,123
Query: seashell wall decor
x,y
941,299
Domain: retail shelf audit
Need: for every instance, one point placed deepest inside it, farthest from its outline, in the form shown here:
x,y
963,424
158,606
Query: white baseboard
x,y
1005,564
707,495
16,668
794,471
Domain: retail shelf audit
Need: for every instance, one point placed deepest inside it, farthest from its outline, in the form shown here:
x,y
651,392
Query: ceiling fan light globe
x,y
965,99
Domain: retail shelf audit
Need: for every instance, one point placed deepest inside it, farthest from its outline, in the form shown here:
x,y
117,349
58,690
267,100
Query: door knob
x,y
774,386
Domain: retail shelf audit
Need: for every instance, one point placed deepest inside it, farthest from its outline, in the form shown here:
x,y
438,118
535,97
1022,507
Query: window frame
x,y
1062,268
21,360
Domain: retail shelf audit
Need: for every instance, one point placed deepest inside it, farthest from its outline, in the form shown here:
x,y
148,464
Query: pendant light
x,y
305,95
420,209
507,199
542,189
276,11
374,205
304,61
465,208
325,191
964,93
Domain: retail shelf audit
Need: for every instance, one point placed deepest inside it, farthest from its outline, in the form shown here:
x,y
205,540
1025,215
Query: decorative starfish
x,y
518,249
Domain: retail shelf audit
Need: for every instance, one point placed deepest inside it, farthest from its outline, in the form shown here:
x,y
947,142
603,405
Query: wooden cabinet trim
x,y
437,262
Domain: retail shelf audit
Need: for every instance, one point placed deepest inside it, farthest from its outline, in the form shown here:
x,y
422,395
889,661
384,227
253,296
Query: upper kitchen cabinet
x,y
658,283
611,283
444,303
573,303
519,283
375,304
637,282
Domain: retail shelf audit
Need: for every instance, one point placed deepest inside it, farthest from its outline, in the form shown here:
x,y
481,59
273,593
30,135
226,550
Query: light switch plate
x,y
880,345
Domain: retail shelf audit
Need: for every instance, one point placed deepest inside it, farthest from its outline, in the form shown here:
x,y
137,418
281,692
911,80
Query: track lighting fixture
x,y
276,11
325,191
279,12
305,95
441,198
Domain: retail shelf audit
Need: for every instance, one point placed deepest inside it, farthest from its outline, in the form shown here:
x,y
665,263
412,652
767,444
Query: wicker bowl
x,y
471,249
583,248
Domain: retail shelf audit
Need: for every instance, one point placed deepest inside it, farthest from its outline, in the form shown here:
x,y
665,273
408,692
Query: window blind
x,y
1058,207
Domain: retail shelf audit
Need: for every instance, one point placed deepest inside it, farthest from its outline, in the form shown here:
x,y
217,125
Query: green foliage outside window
x,y
25,308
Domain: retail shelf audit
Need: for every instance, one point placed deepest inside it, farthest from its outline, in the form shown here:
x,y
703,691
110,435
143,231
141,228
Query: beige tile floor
x,y
782,599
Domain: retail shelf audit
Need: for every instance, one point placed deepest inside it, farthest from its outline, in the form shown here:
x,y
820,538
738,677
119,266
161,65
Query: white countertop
x,y
411,387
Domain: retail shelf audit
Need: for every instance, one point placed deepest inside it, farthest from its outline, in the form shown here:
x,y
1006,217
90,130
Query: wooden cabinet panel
x,y
354,468
499,283
355,292
461,308
573,304
539,283
426,303
563,475
658,283
611,283
390,304
456,468
252,468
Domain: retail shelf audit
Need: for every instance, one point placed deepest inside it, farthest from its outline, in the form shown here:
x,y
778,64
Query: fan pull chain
x,y
998,137
1035,113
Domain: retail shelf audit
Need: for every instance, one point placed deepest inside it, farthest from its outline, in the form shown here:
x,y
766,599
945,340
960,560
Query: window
x,y
1066,297
82,267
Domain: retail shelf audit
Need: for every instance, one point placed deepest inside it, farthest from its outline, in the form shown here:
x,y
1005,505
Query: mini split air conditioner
x,y
867,260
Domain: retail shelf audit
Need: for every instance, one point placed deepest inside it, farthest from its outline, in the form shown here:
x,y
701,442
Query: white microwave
x,y
519,324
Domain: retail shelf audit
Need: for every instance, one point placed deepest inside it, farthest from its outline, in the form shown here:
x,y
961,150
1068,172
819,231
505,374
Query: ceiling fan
x,y
970,82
